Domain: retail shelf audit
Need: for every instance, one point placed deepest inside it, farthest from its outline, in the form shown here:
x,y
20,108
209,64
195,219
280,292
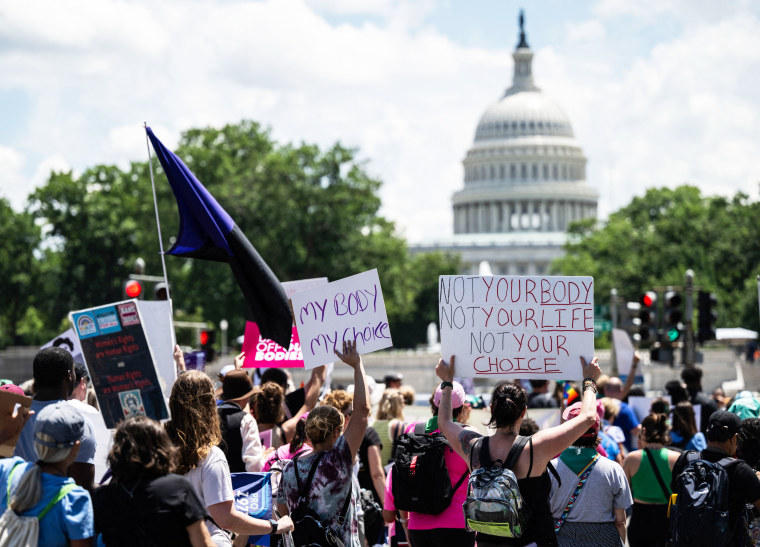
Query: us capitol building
x,y
524,182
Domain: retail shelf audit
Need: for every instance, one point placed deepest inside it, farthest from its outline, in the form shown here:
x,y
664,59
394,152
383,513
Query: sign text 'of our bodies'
x,y
343,304
516,289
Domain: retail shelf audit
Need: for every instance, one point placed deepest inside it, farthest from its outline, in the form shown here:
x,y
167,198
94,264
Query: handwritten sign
x,y
348,309
517,327
120,362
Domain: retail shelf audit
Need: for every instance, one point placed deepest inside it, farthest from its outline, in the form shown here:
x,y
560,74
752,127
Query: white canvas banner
x,y
530,327
348,309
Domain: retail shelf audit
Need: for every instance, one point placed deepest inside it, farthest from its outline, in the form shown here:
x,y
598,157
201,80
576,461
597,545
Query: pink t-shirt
x,y
452,516
283,453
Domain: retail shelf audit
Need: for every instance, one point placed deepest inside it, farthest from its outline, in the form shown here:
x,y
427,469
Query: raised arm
x,y
459,438
631,375
313,387
354,433
547,443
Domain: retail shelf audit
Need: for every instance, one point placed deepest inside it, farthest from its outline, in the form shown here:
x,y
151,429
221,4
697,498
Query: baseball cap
x,y
458,395
725,422
62,422
574,409
80,371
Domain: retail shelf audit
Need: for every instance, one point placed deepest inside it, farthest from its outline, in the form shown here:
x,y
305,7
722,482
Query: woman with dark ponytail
x,y
508,406
649,471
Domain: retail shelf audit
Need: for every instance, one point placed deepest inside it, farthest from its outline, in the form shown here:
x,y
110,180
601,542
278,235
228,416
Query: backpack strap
x,y
309,477
65,489
585,472
665,491
516,450
419,428
10,481
553,470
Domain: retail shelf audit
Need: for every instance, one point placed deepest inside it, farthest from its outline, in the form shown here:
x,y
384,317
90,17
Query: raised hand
x,y
349,355
444,370
591,370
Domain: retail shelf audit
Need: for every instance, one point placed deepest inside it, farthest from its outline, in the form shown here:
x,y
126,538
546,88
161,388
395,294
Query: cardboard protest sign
x,y
120,361
263,353
8,403
624,351
533,327
67,340
348,309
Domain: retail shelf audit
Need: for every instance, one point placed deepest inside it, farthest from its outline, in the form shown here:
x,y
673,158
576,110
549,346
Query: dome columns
x,y
520,215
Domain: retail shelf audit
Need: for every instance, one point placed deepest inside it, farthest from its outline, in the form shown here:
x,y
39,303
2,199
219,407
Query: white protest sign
x,y
623,350
534,327
292,287
348,309
641,405
68,340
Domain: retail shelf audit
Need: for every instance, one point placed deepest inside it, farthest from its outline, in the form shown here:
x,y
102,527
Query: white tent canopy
x,y
735,333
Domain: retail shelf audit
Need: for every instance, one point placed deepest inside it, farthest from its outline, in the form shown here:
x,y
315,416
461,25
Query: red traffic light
x,y
133,288
648,299
204,337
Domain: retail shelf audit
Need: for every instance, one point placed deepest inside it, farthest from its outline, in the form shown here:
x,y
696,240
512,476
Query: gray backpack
x,y
494,504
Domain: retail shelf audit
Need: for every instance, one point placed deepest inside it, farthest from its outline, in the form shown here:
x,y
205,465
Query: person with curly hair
x,y
146,503
194,429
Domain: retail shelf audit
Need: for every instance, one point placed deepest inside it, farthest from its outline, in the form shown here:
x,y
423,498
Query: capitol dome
x,y
524,181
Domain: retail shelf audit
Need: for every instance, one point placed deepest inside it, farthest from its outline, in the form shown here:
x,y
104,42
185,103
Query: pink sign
x,y
263,353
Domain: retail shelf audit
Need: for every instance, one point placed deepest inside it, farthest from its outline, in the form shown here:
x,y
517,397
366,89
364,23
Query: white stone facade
x,y
524,182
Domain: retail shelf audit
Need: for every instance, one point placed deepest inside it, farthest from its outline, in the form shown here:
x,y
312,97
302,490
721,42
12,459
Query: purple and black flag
x,y
207,232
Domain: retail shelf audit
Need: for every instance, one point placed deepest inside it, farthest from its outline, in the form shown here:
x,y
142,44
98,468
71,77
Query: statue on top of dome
x,y
523,42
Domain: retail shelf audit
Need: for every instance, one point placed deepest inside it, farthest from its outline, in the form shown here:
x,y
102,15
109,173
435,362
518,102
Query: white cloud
x,y
408,96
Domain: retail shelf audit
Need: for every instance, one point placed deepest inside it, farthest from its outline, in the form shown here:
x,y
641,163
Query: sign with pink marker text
x,y
529,327
348,309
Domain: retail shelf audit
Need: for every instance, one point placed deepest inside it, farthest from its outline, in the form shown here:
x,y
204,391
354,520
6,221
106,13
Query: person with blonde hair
x,y
43,491
318,487
145,502
194,429
389,421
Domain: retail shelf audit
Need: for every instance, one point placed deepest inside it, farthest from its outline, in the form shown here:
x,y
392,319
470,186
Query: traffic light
x,y
207,339
629,320
673,316
706,316
648,317
133,289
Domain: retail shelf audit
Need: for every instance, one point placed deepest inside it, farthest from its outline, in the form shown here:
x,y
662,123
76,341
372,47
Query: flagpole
x,y
160,239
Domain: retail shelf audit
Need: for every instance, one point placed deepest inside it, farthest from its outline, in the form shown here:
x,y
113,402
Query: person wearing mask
x,y
146,503
684,434
649,471
43,489
508,407
330,493
194,429
596,514
54,378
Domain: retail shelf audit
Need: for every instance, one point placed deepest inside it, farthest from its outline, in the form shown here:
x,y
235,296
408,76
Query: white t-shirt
x,y
605,489
212,482
253,452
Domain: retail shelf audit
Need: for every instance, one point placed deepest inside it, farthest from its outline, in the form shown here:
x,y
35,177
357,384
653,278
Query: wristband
x,y
589,383
444,385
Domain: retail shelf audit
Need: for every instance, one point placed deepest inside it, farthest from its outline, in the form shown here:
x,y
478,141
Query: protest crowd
x,y
342,471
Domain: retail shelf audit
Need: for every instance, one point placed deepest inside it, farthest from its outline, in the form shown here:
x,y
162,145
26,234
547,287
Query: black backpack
x,y
699,514
421,481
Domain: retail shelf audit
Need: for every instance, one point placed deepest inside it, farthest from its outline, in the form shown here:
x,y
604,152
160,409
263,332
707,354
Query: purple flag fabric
x,y
207,232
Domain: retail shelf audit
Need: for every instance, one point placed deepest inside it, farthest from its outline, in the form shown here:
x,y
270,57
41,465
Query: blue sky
x,y
659,93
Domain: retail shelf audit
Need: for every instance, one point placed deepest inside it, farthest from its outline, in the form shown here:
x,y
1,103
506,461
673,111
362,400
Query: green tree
x,y
308,212
653,241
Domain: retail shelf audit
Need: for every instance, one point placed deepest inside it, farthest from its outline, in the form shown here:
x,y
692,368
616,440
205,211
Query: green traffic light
x,y
673,335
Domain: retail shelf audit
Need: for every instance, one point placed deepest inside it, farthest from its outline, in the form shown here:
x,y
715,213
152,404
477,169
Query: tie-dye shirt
x,y
328,489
